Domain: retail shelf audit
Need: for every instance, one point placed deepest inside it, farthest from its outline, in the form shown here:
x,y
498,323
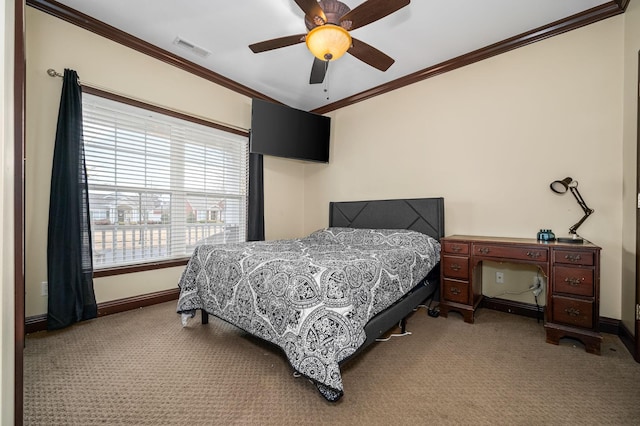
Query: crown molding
x,y
598,13
582,19
100,28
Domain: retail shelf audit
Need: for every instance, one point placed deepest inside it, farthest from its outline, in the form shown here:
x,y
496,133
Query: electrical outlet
x,y
44,288
499,277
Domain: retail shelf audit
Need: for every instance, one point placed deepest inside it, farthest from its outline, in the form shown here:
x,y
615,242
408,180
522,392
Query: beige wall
x,y
7,303
629,162
283,198
489,138
52,43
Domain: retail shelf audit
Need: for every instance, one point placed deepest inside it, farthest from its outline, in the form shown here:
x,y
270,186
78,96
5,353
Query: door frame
x,y
19,87
636,307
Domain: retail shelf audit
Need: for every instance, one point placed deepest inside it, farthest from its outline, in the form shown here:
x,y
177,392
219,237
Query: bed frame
x,y
425,215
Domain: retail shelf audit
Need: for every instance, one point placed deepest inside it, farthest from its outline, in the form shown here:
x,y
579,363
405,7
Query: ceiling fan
x,y
328,38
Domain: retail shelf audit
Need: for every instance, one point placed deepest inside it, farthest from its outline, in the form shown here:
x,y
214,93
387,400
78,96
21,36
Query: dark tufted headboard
x,y
424,215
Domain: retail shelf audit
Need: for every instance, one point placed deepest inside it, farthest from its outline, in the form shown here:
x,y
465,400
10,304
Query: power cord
x,y
432,312
514,293
536,288
535,296
386,339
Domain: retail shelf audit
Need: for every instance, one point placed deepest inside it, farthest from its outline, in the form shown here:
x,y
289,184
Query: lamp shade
x,y
561,186
328,42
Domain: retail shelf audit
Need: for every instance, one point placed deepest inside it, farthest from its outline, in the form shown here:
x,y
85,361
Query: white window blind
x,y
160,185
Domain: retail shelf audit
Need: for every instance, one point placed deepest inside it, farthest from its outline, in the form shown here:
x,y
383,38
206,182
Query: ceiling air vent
x,y
191,47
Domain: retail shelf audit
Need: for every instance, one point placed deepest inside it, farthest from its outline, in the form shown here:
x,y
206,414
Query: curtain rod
x,y
222,126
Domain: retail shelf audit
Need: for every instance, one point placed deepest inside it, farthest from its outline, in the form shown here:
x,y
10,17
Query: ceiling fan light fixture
x,y
328,42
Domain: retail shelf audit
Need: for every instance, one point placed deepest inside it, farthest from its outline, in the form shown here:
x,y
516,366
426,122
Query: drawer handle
x,y
533,254
456,248
572,312
454,290
484,250
573,281
573,257
455,267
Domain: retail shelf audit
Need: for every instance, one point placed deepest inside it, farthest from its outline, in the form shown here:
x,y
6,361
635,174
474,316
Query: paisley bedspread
x,y
310,296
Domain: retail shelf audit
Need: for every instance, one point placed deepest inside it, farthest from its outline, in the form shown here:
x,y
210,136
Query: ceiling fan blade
x,y
276,43
372,10
370,55
311,8
318,71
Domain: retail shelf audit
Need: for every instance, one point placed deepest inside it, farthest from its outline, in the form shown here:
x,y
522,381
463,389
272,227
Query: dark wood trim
x,y
155,108
610,325
636,283
629,341
88,23
135,302
587,17
636,352
512,307
35,323
622,4
605,325
39,322
19,96
107,272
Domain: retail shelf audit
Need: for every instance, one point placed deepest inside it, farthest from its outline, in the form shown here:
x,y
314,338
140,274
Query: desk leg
x,y
466,312
591,340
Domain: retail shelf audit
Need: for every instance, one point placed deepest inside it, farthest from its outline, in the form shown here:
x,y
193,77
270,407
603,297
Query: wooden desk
x,y
573,281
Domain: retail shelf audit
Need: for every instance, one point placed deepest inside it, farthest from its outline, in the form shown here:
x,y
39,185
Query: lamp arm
x,y
587,211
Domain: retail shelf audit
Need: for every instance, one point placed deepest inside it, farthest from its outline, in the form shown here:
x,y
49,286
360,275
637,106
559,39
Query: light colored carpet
x,y
142,368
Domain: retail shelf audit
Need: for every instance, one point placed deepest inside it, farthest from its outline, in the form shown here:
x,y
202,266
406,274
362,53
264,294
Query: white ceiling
x,y
422,34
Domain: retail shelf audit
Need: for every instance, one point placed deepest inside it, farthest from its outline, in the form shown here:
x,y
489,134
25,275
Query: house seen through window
x,y
160,185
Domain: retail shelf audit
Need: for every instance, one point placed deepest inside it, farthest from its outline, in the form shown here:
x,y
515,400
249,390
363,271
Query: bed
x,y
323,298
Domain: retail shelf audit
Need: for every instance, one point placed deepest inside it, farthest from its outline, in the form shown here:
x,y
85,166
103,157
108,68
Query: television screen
x,y
283,131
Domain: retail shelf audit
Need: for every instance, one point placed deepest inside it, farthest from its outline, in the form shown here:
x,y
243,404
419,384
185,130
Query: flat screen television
x,y
287,132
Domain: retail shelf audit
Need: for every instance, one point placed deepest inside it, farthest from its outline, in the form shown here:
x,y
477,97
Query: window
x,y
159,185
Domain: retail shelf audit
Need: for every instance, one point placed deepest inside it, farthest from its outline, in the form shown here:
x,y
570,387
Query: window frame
x,y
154,264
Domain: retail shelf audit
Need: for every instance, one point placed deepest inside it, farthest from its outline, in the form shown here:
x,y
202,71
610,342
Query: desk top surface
x,y
513,240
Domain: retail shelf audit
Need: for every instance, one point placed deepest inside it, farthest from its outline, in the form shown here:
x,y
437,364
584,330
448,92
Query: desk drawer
x,y
455,247
456,291
455,267
570,280
516,253
573,311
573,257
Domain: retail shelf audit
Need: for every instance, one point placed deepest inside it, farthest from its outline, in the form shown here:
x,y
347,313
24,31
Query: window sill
x,y
140,267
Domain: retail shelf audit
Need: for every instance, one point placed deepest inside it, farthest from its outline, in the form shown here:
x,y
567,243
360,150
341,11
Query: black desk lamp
x,y
560,187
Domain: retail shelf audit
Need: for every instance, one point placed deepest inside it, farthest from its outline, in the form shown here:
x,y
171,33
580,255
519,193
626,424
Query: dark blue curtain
x,y
255,220
69,255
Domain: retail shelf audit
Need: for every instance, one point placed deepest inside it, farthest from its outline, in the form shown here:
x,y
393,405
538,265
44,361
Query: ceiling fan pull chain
x,y
326,78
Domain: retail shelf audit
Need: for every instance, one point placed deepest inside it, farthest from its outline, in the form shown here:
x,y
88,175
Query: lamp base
x,y
570,240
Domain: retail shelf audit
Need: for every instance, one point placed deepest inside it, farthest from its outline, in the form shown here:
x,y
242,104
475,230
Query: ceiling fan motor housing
x,y
333,11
